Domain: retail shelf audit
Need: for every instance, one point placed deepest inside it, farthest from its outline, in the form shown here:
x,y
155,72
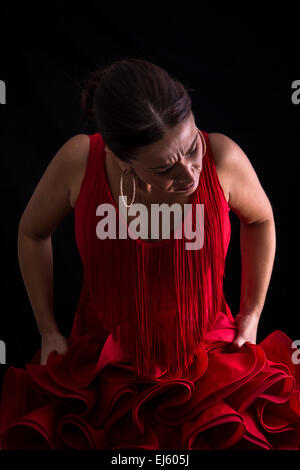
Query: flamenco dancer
x,y
155,358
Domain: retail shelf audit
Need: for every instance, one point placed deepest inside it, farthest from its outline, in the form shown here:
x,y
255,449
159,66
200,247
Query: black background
x,y
240,63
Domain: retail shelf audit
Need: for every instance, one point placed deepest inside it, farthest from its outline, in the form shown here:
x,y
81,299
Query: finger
x,y
236,344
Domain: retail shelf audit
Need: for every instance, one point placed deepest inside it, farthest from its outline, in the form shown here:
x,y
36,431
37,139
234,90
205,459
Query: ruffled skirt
x,y
91,398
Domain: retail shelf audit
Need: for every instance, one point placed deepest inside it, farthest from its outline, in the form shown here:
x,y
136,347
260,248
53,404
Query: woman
x,y
155,359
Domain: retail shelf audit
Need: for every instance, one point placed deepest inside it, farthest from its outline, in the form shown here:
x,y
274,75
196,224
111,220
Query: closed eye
x,y
170,168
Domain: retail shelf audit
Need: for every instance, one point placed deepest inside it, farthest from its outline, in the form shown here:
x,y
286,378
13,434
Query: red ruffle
x,y
91,398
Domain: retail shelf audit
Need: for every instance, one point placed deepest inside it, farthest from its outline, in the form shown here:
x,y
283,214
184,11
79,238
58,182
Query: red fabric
x,y
92,397
139,290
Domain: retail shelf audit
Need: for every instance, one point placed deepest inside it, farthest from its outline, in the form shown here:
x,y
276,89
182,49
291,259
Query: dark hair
x,y
133,102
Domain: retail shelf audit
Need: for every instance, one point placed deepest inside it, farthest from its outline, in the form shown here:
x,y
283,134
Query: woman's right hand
x,y
52,342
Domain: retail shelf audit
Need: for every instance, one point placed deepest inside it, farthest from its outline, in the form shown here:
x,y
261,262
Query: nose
x,y
186,174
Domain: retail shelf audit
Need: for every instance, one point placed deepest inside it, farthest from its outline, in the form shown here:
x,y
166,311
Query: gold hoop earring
x,y
203,142
121,188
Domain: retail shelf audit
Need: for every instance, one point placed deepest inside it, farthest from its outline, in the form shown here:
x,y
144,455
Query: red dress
x,y
147,365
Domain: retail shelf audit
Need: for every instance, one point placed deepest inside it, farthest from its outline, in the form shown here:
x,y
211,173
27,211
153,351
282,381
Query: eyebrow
x,y
166,166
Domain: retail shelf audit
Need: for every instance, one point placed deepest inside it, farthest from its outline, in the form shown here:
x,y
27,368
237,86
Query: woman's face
x,y
173,163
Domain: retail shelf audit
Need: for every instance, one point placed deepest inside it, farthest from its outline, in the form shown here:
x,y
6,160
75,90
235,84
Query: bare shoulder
x,y
77,153
222,146
74,153
57,184
76,149
218,142
246,195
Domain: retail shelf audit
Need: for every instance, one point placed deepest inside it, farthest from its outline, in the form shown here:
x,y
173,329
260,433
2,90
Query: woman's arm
x,y
47,207
257,233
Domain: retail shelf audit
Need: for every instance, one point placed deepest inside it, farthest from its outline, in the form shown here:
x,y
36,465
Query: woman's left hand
x,y
247,324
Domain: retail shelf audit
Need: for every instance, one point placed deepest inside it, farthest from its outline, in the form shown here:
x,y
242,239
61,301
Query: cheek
x,y
156,180
198,162
162,182
145,177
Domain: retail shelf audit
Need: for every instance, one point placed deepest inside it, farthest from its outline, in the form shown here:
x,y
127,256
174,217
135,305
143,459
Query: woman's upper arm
x,y
247,198
50,201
